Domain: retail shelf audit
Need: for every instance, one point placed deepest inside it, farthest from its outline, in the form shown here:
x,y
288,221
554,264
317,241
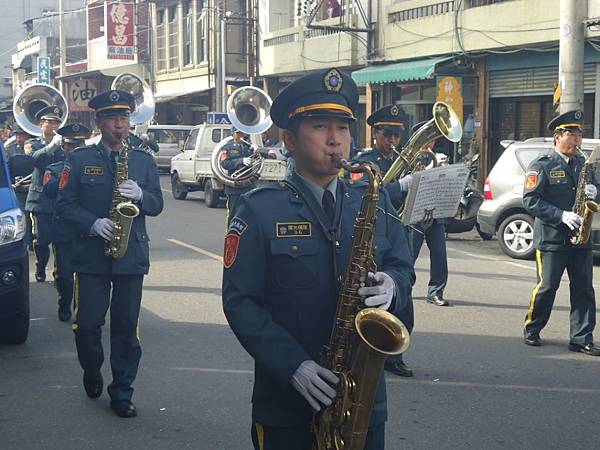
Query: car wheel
x,y
515,236
484,236
178,188
14,331
211,197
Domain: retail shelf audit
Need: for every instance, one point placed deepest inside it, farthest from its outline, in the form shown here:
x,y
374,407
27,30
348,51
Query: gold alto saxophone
x,y
361,337
122,211
584,207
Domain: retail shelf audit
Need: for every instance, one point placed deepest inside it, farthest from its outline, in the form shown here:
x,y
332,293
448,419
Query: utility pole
x,y
62,51
223,66
570,65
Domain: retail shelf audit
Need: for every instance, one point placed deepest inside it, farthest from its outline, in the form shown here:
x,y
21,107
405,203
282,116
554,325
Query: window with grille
x,y
188,21
202,30
161,47
173,38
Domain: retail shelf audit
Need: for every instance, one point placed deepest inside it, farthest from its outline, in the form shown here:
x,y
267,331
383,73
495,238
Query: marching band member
x,y
285,251
551,183
61,234
44,150
85,198
388,126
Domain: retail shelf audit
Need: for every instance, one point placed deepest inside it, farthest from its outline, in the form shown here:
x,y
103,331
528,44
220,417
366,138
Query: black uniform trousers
x,y
41,240
21,200
276,438
550,267
435,236
93,296
63,274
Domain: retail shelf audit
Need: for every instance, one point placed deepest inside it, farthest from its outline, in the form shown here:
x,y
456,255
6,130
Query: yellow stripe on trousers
x,y
260,435
75,300
538,260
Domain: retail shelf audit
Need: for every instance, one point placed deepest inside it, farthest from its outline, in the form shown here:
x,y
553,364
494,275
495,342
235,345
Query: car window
x,y
526,155
190,143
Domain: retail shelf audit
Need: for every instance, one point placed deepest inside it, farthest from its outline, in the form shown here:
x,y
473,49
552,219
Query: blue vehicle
x,y
14,260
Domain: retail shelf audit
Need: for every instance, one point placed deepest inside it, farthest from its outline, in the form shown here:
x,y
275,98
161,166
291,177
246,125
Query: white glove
x,y
382,293
310,379
105,228
441,158
144,137
590,191
405,182
131,190
572,220
247,161
56,140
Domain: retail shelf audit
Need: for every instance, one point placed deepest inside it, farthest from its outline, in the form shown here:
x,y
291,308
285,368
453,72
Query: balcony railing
x,y
476,3
283,39
422,11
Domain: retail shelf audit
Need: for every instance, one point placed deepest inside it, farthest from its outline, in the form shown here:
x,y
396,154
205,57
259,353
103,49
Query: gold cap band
x,y
565,125
394,124
317,106
112,107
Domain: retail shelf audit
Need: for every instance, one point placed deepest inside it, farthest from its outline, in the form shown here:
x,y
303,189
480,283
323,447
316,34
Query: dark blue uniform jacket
x,y
280,294
43,155
397,196
550,187
86,196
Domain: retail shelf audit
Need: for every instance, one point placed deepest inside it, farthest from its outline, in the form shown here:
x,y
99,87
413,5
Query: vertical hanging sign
x,y
120,26
43,70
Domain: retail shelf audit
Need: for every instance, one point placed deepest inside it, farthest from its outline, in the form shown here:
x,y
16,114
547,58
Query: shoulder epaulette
x,y
143,150
270,186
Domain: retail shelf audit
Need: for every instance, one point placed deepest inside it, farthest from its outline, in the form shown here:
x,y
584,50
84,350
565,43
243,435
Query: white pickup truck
x,y
190,169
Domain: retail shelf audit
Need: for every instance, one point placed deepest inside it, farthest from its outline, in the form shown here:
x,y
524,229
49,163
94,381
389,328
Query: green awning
x,y
421,69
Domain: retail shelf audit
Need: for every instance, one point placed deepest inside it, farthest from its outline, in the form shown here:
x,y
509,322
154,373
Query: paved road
x,y
476,385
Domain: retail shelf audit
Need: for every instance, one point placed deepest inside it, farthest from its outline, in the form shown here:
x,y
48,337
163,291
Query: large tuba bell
x,y
143,110
445,123
33,98
248,110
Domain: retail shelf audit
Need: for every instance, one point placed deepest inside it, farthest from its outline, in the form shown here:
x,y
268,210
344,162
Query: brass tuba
x,y
248,110
33,98
445,122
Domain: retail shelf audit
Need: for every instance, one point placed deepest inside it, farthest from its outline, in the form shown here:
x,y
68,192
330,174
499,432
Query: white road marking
x,y
197,249
468,384
38,318
489,258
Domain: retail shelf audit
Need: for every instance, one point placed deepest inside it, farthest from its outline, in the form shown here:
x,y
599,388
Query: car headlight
x,y
12,226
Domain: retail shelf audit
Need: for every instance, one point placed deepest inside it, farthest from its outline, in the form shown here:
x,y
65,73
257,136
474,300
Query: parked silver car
x,y
502,211
170,140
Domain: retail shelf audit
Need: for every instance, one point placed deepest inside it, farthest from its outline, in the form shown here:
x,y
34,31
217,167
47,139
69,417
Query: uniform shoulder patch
x,y
237,225
64,177
531,179
47,177
232,243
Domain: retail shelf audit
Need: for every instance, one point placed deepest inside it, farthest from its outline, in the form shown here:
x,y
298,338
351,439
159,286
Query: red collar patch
x,y
232,242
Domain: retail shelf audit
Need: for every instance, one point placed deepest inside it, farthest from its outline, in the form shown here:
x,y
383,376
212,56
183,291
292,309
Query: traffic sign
x,y
217,118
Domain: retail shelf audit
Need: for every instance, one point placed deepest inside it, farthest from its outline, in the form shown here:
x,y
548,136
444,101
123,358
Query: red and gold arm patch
x,y
232,243
531,179
47,177
64,178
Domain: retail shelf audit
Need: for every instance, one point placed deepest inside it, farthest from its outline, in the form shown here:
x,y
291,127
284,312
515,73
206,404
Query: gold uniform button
x,y
375,248
295,248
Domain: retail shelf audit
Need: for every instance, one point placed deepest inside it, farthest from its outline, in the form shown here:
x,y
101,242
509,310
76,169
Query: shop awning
x,y
166,95
421,69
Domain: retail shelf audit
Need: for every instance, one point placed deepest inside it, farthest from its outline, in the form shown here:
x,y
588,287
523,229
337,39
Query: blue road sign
x,y
217,118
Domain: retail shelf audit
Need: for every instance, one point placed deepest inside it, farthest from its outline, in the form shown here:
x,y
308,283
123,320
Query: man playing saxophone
x,y
286,249
85,198
551,188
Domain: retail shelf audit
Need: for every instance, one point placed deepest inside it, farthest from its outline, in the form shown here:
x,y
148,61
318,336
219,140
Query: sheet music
x,y
435,193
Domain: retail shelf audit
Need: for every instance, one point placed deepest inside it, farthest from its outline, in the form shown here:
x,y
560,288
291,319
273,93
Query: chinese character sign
x,y
120,30
80,92
449,91
43,70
